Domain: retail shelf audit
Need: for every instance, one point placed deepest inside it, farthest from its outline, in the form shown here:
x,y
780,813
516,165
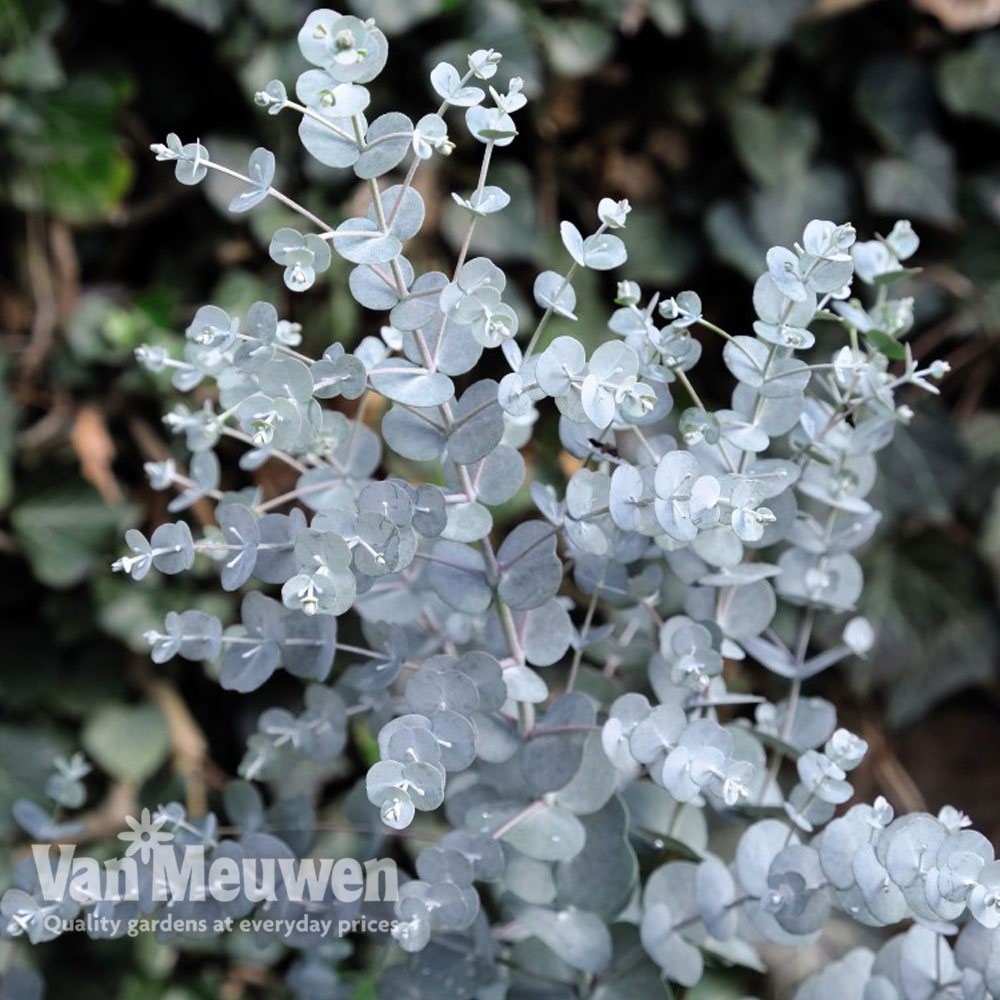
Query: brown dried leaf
x,y
96,451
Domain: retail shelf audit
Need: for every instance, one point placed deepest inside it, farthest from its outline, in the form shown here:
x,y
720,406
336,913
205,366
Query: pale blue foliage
x,y
685,527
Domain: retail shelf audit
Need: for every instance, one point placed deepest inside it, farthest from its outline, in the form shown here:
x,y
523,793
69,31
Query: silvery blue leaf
x,y
484,202
457,574
530,569
468,522
775,309
499,475
316,89
579,938
784,268
550,834
553,291
405,382
548,632
246,665
287,377
278,95
308,648
190,166
338,375
172,548
873,260
419,435
478,423
333,147
275,555
261,174
490,125
603,252
377,291
422,307
572,241
716,892
36,822
241,532
386,143
403,209
548,762
902,240
679,959
446,82
378,248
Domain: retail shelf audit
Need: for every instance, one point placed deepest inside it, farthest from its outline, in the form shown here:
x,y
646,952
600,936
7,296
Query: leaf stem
x,y
272,191
574,668
526,813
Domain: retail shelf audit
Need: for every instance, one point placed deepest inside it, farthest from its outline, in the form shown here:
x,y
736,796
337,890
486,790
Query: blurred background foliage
x,y
727,123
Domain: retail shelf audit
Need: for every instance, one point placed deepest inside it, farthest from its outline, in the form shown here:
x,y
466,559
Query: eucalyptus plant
x,y
571,696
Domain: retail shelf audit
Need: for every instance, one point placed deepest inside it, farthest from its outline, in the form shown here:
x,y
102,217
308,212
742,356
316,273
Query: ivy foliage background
x,y
727,124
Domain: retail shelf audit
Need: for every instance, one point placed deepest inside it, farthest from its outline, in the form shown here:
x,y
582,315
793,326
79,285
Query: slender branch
x,y
526,813
273,192
472,222
585,628
321,119
282,456
686,382
547,315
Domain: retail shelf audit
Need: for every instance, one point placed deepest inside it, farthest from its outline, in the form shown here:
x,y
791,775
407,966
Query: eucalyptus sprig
x,y
557,692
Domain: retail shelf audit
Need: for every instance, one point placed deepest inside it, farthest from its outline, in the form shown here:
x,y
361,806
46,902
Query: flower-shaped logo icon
x,y
146,837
